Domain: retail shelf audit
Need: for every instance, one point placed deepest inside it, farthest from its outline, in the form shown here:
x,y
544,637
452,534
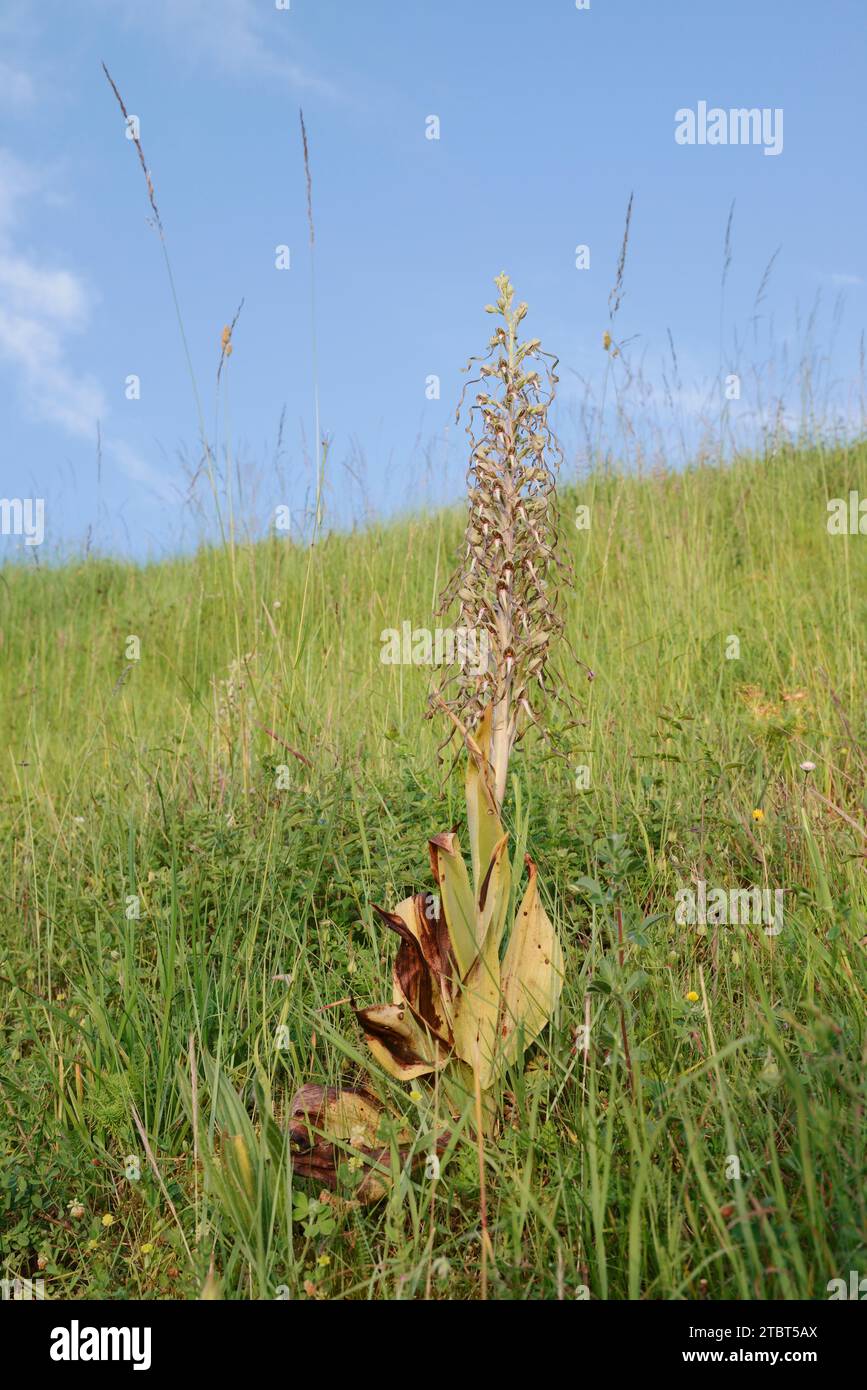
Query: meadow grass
x,y
257,778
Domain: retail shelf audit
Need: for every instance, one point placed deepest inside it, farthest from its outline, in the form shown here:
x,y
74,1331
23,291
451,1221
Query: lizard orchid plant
x,y
472,987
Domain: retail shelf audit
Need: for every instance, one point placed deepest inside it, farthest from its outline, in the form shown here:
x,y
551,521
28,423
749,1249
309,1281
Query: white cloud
x,y
51,390
839,278
237,37
40,306
53,294
17,182
138,470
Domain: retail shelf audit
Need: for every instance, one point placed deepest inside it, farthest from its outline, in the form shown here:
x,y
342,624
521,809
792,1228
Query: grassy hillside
x,y
257,777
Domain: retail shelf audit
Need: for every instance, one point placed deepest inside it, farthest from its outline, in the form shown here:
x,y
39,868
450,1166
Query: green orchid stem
x,y
460,1085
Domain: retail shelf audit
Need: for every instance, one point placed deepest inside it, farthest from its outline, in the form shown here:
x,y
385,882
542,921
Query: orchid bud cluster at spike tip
x,y
505,585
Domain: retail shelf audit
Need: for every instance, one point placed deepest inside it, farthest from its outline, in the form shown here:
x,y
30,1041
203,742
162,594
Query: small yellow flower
x,y
355,1163
415,1095
692,997
758,815
606,340
324,1261
108,1219
92,1244
146,1248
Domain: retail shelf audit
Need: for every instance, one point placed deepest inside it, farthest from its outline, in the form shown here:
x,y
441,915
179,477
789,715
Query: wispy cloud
x,y
40,307
51,390
840,278
138,470
17,182
53,294
237,38
43,307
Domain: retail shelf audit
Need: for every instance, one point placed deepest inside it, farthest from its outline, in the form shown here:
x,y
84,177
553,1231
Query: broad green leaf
x,y
476,1012
484,824
456,896
532,974
591,889
494,896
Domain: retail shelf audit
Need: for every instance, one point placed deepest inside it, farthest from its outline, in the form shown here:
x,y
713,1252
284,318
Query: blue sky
x,y
549,117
